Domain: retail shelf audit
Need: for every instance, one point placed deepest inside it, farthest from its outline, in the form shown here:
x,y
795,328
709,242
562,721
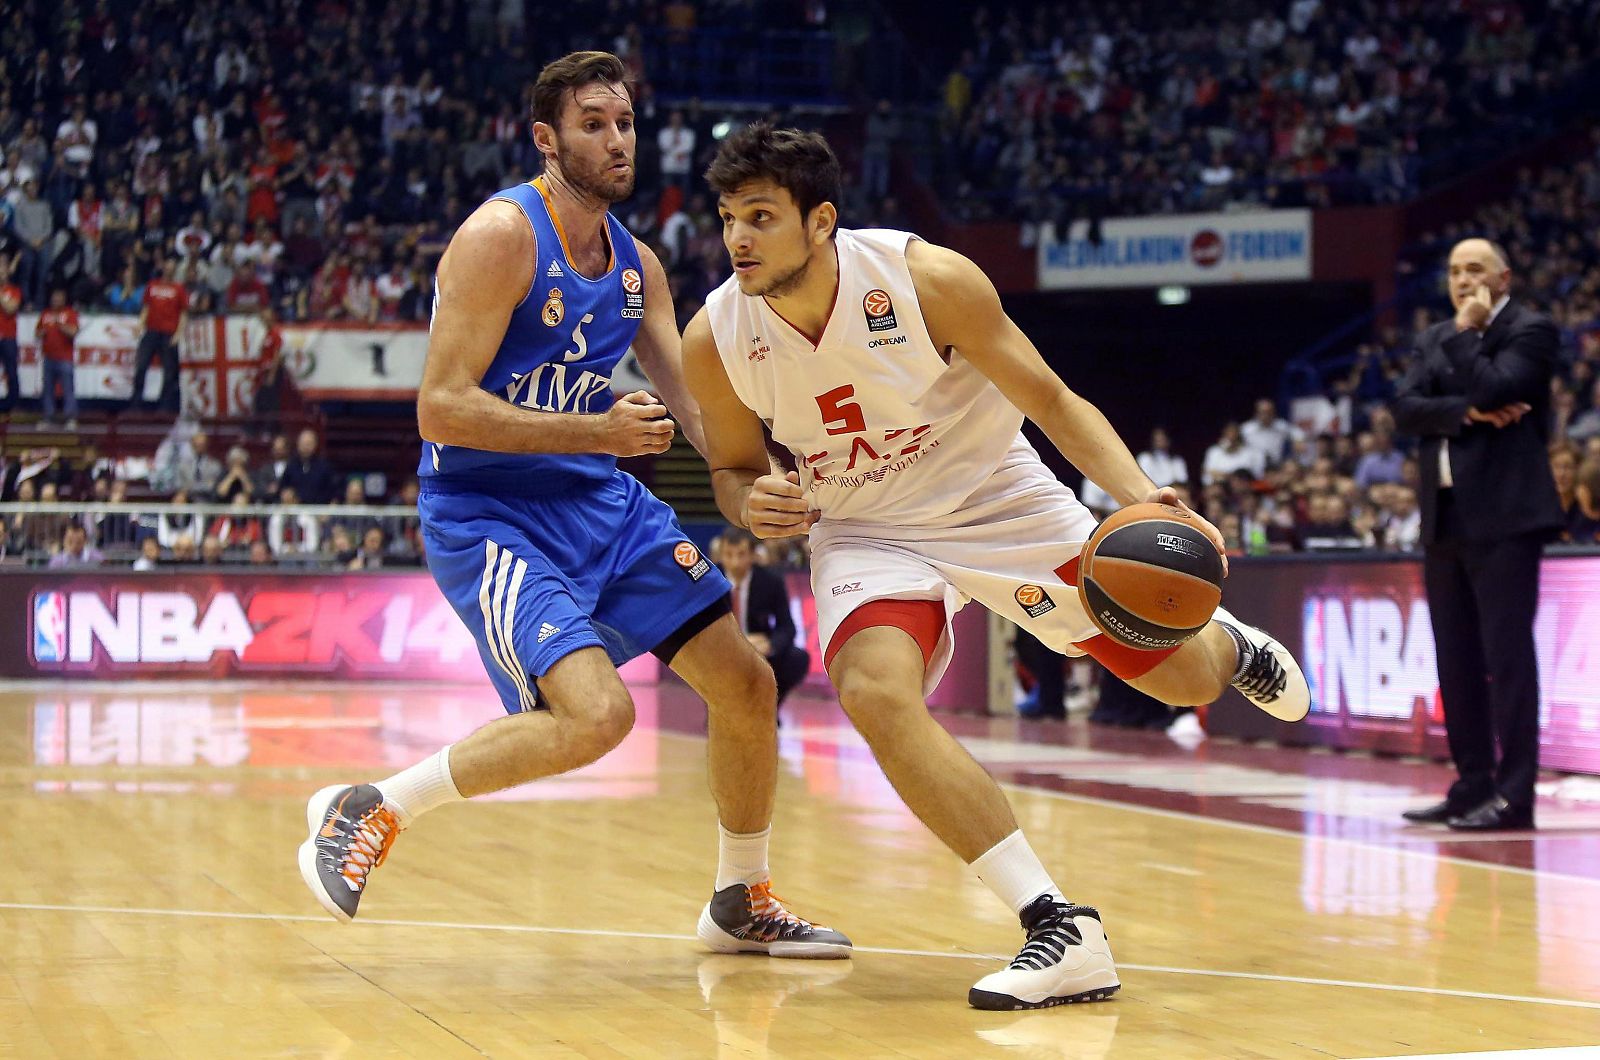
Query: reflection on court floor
x,y
1261,902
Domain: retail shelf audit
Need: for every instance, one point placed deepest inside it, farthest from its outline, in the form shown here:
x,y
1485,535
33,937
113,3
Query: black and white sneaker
x,y
741,919
1065,960
351,833
1271,679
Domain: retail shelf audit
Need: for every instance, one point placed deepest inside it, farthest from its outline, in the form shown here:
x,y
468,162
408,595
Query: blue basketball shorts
x,y
535,579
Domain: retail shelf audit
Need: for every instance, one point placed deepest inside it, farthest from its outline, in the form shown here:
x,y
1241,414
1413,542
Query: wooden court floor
x,y
150,906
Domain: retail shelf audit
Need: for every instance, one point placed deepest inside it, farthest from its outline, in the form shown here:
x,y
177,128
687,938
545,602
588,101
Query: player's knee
x,y
610,719
750,688
873,702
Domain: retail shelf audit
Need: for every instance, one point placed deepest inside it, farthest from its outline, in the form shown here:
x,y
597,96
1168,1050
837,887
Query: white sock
x,y
1011,870
426,785
741,858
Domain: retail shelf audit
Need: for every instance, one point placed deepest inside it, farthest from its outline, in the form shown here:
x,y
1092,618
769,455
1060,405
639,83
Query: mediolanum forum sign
x,y
1201,248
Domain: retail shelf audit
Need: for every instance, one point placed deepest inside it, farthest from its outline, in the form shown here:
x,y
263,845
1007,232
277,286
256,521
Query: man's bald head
x,y
1476,263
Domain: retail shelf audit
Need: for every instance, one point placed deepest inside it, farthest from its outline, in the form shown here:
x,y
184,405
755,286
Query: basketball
x,y
1149,577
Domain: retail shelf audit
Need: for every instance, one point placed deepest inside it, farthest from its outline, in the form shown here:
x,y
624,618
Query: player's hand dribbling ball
x,y
776,507
1150,576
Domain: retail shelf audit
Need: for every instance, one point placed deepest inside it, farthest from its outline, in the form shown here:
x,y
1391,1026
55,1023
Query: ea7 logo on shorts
x,y
847,587
880,311
1034,600
632,294
688,557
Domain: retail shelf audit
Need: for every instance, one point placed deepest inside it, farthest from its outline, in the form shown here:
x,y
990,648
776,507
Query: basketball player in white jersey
x,y
889,369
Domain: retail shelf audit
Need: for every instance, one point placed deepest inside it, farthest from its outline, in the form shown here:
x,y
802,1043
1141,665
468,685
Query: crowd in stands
x,y
1056,112
311,156
1366,476
236,527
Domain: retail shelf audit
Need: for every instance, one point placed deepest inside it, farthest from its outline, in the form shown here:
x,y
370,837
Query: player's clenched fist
x,y
776,507
635,425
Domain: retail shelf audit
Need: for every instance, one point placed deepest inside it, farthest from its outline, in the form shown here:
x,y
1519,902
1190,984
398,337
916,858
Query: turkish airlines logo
x,y
879,308
631,281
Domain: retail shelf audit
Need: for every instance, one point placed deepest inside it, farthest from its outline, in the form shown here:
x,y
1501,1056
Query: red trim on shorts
x,y
1127,663
924,620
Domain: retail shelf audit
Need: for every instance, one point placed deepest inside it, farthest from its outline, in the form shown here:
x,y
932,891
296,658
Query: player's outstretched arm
x,y
660,349
962,310
484,274
749,492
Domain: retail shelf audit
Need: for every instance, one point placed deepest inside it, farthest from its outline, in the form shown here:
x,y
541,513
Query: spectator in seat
x,y
1268,433
149,554
292,534
310,474
1230,454
761,607
264,483
1164,467
75,549
235,480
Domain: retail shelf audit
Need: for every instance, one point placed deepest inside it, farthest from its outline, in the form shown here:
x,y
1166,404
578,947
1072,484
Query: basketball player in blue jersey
x,y
562,566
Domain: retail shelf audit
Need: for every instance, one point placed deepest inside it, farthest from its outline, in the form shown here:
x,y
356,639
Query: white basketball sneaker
x,y
1066,959
1271,679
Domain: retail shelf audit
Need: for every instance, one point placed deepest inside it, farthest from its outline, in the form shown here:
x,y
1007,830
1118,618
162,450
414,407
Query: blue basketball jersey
x,y
560,348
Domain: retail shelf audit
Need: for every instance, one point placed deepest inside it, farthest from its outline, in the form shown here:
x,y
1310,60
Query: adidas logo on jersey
x,y
546,631
554,269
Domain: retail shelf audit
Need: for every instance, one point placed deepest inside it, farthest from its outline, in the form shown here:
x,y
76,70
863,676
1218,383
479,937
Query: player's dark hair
x,y
800,162
570,73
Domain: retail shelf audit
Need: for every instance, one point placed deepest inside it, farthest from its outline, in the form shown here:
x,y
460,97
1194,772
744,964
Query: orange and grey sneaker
x,y
751,919
351,832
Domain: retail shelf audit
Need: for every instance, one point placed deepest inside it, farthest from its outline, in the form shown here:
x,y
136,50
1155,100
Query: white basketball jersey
x,y
883,428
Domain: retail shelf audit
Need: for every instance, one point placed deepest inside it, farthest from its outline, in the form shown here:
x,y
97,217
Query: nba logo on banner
x,y
50,627
880,311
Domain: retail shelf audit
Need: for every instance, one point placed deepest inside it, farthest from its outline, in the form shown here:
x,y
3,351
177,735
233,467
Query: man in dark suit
x,y
761,607
1477,394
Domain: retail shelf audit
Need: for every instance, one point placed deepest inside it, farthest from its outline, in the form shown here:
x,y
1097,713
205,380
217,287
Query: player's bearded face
x,y
597,172
595,143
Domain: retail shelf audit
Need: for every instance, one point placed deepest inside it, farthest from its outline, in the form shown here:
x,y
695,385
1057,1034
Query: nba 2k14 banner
x,y
1204,248
105,623
1361,630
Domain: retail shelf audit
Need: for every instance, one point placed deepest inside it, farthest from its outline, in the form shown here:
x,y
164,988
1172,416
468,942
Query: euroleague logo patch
x,y
879,308
689,558
1034,600
632,294
554,310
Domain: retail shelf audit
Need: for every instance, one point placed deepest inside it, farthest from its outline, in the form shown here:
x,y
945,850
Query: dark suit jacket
x,y
1502,481
767,609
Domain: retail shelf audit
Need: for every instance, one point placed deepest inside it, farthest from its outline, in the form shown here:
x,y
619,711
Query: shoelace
x,y
1048,940
368,844
764,905
1264,678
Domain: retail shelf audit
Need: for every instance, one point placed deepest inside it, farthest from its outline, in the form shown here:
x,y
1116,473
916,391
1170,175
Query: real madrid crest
x,y
554,311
